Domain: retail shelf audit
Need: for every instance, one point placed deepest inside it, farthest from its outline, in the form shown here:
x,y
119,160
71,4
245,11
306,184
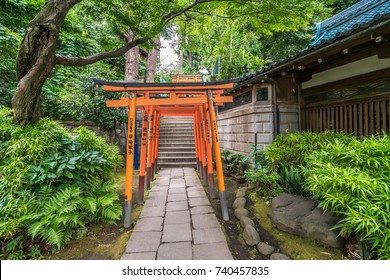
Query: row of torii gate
x,y
156,100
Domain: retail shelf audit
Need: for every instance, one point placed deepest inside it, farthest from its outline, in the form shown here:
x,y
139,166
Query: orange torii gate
x,y
195,99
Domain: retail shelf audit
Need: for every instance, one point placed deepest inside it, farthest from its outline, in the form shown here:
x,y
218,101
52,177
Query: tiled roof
x,y
344,23
358,17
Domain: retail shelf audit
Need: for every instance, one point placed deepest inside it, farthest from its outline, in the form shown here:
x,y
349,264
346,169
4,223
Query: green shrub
x,y
291,149
353,180
52,184
287,155
266,182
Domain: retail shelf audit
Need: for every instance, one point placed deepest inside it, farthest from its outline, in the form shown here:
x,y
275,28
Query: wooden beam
x,y
168,88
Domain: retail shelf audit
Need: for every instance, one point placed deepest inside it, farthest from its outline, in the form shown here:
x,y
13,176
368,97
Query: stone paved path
x,y
177,222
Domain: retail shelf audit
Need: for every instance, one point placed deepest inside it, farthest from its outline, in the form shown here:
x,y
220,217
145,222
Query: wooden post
x,y
150,146
209,153
217,154
144,141
156,138
153,146
203,144
130,161
196,142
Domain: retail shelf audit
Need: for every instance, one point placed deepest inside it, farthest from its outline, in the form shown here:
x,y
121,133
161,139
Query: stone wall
x,y
238,126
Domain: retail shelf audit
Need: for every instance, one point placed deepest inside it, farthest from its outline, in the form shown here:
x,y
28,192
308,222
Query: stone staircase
x,y
176,143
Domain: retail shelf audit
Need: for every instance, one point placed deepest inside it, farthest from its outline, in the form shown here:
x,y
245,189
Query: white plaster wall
x,y
360,67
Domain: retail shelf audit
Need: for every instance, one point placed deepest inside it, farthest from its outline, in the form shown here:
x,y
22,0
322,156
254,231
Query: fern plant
x,y
52,184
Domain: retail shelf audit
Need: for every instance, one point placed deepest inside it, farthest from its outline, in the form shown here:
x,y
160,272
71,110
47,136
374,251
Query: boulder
x,y
251,236
279,256
265,249
300,216
243,189
239,203
239,212
240,194
246,221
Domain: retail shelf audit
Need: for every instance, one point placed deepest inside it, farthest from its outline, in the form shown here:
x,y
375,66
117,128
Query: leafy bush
x,y
52,184
265,182
291,149
256,157
353,180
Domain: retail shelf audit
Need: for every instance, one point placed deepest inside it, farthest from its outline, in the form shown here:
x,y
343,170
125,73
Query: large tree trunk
x,y
131,60
36,59
189,59
151,63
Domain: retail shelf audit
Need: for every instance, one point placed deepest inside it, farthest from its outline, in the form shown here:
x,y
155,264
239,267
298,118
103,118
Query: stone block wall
x,y
238,126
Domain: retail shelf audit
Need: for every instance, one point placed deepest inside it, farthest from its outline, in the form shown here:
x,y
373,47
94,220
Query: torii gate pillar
x,y
130,162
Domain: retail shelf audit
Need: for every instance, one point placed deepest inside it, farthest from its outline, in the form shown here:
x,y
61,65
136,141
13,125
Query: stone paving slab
x,y
177,217
177,206
158,195
178,180
177,191
195,189
177,233
197,193
208,235
149,224
205,221
177,197
175,251
199,201
139,256
212,251
201,210
152,211
159,188
143,242
177,185
168,230
154,203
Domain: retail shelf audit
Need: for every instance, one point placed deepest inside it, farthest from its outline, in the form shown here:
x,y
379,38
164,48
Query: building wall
x,y
238,126
288,118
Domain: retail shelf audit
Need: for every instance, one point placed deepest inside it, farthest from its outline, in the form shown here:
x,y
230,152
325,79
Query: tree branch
x,y
168,17
82,61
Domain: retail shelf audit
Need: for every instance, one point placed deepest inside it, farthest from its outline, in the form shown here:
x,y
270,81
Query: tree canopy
x,y
39,39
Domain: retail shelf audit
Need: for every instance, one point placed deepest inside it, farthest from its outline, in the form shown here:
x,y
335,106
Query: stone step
x,y
179,131
170,143
177,121
176,138
177,159
177,149
176,127
176,164
174,133
188,121
177,142
176,154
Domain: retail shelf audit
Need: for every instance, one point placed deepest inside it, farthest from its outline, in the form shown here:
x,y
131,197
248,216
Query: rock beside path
x,y
239,203
279,256
239,212
265,249
246,221
251,236
300,216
